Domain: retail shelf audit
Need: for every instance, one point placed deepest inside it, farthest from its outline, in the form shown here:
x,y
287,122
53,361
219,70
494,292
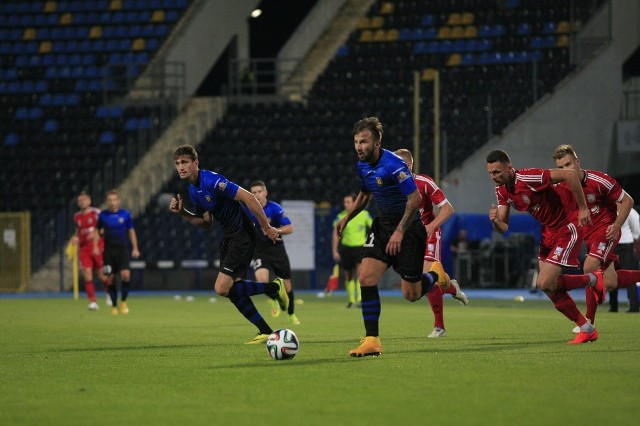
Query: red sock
x,y
451,290
571,282
565,304
91,290
592,305
627,277
436,300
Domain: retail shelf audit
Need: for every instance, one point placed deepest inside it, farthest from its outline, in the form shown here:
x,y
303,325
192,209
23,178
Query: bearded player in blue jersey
x,y
397,236
213,196
272,257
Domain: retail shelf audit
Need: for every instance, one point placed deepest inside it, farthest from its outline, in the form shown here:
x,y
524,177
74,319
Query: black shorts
x,y
116,257
274,258
408,263
350,257
236,251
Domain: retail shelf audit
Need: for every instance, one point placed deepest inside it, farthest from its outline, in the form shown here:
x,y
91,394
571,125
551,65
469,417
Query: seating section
x,y
65,67
494,61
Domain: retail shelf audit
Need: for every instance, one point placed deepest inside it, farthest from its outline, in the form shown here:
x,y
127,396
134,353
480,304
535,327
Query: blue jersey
x,y
277,218
215,194
389,181
116,226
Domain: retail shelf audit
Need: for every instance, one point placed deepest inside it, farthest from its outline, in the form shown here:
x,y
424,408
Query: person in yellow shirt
x,y
347,251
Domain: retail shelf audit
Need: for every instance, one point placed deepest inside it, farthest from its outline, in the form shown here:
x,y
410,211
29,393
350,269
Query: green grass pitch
x,y
176,362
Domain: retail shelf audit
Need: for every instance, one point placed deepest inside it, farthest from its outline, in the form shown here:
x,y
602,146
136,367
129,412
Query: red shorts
x,y
599,247
88,260
432,251
561,246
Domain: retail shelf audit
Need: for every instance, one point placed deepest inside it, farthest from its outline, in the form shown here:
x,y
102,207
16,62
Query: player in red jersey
x,y
90,244
562,219
433,195
603,195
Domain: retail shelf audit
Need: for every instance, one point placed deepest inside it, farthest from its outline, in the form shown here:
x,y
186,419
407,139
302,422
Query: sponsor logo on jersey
x,y
526,199
222,185
402,176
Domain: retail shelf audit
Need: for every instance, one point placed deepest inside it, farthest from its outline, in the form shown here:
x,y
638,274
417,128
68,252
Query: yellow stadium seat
x,y
563,41
138,44
66,19
50,6
454,19
576,25
564,27
392,35
386,8
380,35
457,32
444,32
95,32
366,36
468,18
115,5
30,34
363,23
45,47
428,74
157,16
454,60
377,22
471,31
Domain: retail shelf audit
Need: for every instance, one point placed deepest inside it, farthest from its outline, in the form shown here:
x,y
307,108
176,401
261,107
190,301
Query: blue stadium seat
x,y
50,126
107,137
11,139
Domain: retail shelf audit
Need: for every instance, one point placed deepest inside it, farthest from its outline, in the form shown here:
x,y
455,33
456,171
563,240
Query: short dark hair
x,y
498,155
372,124
185,150
257,183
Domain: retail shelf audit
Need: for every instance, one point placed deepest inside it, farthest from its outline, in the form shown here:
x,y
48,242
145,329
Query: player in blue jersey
x,y
215,197
397,236
268,256
116,226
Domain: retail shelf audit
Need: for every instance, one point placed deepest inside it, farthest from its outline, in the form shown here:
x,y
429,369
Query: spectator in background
x,y
433,195
347,251
116,226
459,244
629,238
90,244
268,256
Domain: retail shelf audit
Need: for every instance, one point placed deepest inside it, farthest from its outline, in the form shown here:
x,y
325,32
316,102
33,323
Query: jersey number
x,y
370,242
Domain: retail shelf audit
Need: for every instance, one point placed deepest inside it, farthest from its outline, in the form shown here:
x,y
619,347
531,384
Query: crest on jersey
x,y
557,253
591,198
208,198
526,199
379,181
120,220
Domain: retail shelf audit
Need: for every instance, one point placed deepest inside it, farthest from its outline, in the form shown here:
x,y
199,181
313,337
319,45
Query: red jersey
x,y
85,225
431,194
552,205
602,193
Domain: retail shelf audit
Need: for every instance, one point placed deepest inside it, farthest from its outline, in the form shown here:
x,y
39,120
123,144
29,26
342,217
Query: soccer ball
x,y
282,344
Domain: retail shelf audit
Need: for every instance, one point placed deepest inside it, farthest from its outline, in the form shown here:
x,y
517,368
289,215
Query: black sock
x,y
251,288
291,309
113,294
248,309
126,286
428,281
371,309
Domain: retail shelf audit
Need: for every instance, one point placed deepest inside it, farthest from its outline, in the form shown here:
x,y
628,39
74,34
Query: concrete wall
x,y
212,26
582,111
